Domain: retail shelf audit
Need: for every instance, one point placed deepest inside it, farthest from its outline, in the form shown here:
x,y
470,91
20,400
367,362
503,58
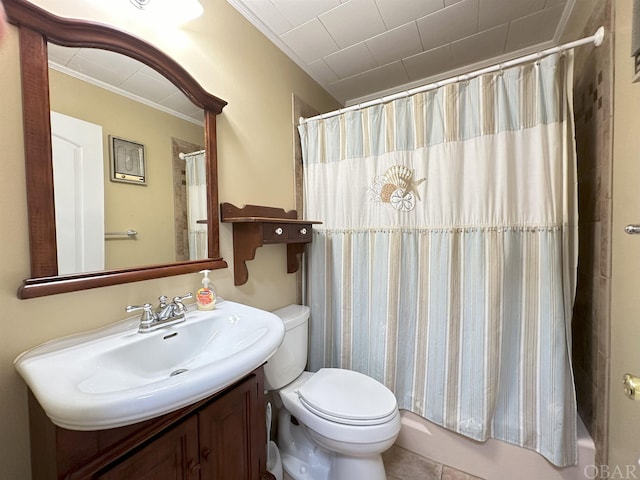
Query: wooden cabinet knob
x,y
205,454
193,466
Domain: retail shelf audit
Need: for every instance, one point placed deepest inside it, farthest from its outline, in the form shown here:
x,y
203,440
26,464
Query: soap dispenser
x,y
206,295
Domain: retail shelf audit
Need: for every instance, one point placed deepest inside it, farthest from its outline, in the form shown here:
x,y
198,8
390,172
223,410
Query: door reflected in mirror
x,y
126,99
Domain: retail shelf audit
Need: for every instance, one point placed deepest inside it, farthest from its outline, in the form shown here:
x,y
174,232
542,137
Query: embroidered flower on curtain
x,y
396,187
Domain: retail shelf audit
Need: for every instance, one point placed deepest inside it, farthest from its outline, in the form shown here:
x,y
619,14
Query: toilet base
x,y
344,467
303,459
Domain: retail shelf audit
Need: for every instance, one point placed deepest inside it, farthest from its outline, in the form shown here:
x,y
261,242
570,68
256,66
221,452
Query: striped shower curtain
x,y
196,172
445,265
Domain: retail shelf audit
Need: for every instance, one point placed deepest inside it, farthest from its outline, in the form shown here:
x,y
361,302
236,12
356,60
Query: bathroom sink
x,y
115,376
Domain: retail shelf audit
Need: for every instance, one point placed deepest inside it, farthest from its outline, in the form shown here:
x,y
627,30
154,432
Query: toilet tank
x,y
291,357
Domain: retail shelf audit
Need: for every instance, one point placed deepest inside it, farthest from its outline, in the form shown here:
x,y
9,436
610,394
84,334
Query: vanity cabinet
x,y
222,437
172,456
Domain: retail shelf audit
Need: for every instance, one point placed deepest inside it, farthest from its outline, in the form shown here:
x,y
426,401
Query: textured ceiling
x,y
125,76
361,49
356,49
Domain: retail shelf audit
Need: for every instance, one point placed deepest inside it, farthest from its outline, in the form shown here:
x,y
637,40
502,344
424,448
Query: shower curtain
x,y
197,205
445,265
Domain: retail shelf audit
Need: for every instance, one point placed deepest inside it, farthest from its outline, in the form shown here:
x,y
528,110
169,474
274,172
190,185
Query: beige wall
x,y
147,209
233,61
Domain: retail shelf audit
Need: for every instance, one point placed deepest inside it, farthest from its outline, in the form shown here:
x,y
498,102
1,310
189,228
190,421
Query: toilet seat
x,y
347,397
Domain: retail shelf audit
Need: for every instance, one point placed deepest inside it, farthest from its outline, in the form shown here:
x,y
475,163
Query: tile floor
x,y
401,464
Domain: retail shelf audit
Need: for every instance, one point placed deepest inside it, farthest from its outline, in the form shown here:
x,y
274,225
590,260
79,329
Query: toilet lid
x,y
348,397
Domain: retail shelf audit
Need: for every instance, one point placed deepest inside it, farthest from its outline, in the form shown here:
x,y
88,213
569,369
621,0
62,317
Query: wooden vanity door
x,y
226,430
173,456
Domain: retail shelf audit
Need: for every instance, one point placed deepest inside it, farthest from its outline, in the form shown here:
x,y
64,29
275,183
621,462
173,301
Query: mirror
x,y
123,195
37,27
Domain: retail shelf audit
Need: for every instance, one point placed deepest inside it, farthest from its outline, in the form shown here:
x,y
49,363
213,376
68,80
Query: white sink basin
x,y
116,376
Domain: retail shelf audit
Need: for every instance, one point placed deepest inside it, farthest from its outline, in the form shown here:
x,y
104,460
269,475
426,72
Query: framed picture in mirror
x,y
127,161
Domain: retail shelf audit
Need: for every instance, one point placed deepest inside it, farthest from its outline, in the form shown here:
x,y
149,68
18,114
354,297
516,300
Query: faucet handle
x,y
162,303
178,302
147,315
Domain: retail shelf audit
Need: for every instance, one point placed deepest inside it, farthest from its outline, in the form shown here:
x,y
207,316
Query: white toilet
x,y
335,423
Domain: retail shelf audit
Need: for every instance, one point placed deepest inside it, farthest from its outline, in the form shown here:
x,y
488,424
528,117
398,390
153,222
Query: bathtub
x,y
493,459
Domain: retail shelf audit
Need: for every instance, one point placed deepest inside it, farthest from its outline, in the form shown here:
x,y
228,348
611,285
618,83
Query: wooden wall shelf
x,y
255,226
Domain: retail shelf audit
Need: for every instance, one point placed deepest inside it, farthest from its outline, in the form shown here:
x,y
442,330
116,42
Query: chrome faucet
x,y
165,314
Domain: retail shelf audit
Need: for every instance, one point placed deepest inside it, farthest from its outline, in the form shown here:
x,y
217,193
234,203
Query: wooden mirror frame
x,y
37,27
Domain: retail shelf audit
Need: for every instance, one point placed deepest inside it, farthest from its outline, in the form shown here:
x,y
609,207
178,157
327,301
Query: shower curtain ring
x,y
538,58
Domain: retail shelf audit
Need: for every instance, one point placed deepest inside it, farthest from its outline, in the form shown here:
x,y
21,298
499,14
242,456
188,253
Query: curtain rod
x,y
185,155
597,39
